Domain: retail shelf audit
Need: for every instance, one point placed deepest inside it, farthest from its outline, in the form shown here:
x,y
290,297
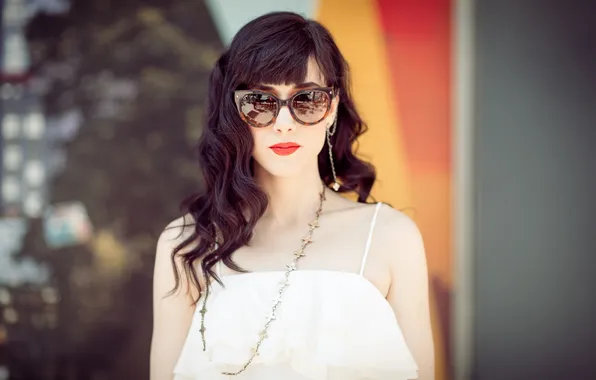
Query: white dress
x,y
330,325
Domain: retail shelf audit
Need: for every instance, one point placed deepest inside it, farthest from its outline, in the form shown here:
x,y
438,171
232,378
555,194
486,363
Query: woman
x,y
276,275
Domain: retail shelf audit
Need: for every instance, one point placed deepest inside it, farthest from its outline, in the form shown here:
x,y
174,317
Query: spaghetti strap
x,y
369,240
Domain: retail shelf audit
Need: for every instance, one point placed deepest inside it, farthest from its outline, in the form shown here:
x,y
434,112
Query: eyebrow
x,y
298,86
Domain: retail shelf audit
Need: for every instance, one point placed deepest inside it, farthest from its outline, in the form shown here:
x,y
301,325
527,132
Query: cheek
x,y
316,138
258,137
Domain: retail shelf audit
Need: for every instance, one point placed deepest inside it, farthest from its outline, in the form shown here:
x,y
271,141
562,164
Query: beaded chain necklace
x,y
284,284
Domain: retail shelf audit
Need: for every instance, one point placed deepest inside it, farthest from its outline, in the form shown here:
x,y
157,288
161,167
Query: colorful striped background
x,y
400,55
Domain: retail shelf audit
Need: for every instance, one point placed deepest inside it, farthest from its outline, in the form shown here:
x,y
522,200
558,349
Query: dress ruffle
x,y
329,326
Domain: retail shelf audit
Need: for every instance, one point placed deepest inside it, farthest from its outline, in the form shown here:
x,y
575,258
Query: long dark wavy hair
x,y
274,48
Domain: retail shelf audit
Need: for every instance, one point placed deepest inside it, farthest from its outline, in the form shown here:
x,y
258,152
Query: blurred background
x,y
482,125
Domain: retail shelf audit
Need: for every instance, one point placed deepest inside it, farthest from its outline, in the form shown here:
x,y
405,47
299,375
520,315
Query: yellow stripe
x,y
355,28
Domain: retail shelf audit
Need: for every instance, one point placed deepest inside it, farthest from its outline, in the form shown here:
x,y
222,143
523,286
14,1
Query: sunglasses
x,y
260,108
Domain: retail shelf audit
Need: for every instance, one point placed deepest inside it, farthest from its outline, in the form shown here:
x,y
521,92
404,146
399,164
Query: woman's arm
x,y
172,314
408,294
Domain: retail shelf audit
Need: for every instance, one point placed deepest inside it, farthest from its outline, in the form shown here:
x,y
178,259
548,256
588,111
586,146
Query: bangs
x,y
282,59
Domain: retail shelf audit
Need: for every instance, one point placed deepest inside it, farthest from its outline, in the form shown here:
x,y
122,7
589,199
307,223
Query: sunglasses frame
x,y
239,94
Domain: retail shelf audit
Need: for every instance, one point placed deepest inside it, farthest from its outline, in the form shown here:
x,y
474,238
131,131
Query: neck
x,y
291,199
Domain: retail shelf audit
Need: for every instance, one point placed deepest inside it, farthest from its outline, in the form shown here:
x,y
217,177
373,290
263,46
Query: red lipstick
x,y
284,149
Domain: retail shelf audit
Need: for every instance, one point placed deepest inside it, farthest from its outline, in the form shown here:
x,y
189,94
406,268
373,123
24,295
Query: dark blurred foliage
x,y
136,73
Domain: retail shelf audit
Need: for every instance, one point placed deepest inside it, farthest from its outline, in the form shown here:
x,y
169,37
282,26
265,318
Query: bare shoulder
x,y
398,231
396,220
391,225
174,234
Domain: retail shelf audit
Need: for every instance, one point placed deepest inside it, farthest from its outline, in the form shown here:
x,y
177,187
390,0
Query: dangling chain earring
x,y
331,132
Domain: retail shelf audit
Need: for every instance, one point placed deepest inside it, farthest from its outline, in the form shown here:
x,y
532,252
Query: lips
x,y
284,149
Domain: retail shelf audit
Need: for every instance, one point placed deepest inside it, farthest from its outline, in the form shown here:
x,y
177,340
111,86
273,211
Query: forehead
x,y
313,76
313,72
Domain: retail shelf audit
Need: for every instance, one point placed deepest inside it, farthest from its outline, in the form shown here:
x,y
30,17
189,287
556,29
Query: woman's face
x,y
286,147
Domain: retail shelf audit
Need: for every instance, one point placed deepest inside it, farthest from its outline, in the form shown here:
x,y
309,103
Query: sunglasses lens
x,y
311,106
258,109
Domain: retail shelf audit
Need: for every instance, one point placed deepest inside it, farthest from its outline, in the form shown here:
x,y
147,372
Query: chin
x,y
294,165
283,171
281,168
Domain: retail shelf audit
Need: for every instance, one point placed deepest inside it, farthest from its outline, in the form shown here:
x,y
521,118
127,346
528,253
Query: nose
x,y
284,122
